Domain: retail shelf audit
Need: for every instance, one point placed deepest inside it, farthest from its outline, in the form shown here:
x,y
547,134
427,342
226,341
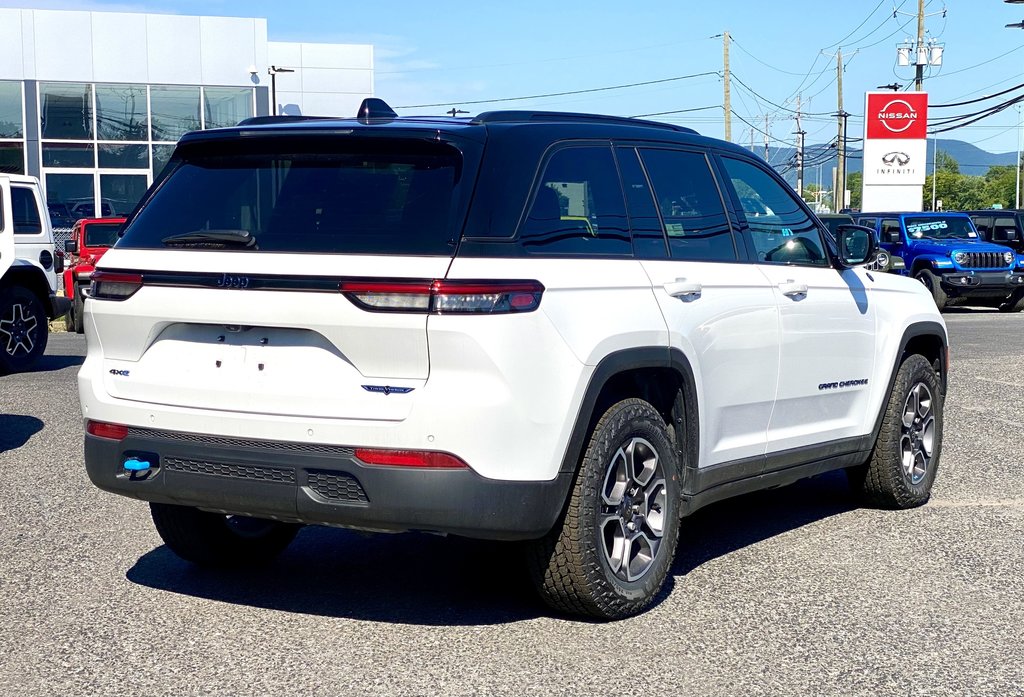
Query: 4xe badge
x,y
119,373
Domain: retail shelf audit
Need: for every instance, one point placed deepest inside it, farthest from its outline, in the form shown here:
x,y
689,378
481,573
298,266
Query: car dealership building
x,y
92,103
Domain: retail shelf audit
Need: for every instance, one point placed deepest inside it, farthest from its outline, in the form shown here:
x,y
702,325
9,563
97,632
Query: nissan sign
x,y
901,116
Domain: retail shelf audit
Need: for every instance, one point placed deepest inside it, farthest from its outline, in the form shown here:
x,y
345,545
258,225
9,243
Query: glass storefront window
x,y
161,155
226,106
121,192
12,158
121,112
65,110
175,112
68,155
11,123
69,197
123,156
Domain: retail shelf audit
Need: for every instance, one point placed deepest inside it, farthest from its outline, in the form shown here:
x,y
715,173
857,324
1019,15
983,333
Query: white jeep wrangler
x,y
561,328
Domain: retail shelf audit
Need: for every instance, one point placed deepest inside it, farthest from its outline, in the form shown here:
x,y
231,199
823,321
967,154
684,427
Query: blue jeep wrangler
x,y
945,253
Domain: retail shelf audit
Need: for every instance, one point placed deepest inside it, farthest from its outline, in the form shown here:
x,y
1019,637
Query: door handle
x,y
791,288
683,288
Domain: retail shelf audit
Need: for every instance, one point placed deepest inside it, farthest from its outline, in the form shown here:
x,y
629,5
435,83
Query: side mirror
x,y
856,245
71,246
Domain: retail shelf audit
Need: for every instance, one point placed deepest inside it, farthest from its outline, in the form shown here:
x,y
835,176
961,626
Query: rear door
x,y
827,318
282,277
720,310
6,226
32,236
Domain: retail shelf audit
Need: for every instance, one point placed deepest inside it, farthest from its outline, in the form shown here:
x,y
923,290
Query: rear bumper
x,y
982,282
321,484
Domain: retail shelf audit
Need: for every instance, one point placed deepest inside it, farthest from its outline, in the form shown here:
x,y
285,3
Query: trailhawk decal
x,y
841,385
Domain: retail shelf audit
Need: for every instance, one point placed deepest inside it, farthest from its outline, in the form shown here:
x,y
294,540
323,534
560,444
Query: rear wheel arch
x,y
30,278
660,376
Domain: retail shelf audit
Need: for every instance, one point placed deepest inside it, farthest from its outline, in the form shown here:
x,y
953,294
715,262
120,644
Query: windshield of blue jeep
x,y
302,197
941,228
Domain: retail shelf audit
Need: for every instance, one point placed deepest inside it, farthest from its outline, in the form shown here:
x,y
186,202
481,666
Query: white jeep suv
x,y
566,329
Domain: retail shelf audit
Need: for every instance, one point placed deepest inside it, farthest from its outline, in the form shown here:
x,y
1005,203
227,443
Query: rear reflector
x,y
110,285
410,458
105,430
444,296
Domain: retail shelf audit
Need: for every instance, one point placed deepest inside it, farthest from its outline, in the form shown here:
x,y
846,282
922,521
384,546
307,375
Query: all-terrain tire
x,y
23,329
905,458
931,282
571,565
1015,303
217,540
76,317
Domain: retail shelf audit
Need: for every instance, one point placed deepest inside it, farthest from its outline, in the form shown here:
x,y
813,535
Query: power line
x,y
870,15
677,111
563,94
979,99
767,65
768,101
983,63
779,140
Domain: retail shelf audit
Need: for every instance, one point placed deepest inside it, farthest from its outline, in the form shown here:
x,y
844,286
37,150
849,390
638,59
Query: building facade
x,y
92,103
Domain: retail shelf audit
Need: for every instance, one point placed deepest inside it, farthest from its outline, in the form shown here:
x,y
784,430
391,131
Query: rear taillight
x,y
444,296
427,459
110,285
101,429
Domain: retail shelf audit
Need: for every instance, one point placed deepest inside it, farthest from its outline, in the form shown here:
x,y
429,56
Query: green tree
x,y
855,183
944,162
1000,184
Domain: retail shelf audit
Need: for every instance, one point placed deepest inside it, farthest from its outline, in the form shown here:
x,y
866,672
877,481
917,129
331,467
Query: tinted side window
x,y
690,204
648,237
889,227
781,231
1003,230
26,213
578,207
984,225
868,222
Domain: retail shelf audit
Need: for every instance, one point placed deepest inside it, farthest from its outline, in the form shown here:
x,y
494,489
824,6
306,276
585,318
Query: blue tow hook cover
x,y
136,465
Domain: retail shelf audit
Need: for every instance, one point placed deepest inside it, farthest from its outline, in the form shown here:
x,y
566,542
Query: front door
x,y
827,320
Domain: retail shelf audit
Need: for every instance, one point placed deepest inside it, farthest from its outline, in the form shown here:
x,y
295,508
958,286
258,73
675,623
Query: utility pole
x,y
767,138
839,194
800,133
728,100
919,79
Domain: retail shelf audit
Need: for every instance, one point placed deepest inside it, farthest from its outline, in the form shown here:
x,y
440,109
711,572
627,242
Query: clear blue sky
x,y
458,52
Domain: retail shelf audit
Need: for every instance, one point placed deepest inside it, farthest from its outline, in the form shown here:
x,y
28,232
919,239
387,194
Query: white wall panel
x,y
119,47
284,53
174,49
63,46
12,57
321,104
228,49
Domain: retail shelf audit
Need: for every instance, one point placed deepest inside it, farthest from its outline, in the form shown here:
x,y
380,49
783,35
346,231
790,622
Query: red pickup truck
x,y
90,239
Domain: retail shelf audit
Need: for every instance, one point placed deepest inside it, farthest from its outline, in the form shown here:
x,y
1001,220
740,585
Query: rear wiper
x,y
212,238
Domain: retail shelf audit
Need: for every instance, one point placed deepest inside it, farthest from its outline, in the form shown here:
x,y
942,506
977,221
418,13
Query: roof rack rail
x,y
555,116
280,118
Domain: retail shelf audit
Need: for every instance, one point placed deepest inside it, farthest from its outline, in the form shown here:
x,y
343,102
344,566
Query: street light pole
x,y
273,71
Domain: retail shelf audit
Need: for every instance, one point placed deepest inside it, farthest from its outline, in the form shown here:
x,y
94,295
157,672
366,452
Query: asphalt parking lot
x,y
792,591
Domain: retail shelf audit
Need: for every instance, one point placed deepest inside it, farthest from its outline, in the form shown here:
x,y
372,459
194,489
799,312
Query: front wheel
x,y
931,282
23,329
905,458
77,320
612,550
218,540
1015,303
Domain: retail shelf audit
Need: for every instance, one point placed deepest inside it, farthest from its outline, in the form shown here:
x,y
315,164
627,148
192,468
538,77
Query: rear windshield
x,y
101,234
941,228
307,196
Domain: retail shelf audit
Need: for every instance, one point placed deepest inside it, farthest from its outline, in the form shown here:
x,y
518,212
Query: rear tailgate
x,y
225,291
187,339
